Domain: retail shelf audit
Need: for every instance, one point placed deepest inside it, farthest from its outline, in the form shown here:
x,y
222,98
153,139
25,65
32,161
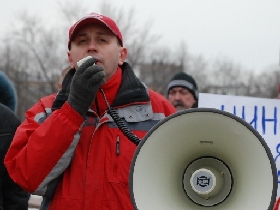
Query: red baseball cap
x,y
95,18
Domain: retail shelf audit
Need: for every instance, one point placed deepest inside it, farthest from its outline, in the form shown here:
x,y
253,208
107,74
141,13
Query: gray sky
x,y
244,31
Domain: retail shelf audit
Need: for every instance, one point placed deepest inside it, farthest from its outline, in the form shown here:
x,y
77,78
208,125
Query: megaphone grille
x,y
202,171
168,148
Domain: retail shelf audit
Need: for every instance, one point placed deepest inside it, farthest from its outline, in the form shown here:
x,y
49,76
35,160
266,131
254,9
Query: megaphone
x,y
203,158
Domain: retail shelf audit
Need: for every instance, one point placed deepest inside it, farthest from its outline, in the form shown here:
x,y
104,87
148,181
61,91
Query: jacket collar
x,y
131,90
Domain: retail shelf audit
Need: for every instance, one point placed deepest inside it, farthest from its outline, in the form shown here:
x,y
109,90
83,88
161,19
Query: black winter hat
x,y
184,80
8,95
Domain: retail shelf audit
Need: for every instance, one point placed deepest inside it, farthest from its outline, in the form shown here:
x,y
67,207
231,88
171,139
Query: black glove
x,y
63,94
85,84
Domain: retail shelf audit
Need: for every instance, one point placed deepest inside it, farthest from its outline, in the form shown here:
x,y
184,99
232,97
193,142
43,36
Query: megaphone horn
x,y
203,158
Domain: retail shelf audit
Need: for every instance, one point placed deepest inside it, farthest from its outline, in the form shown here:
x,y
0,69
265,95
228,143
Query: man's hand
x,y
85,84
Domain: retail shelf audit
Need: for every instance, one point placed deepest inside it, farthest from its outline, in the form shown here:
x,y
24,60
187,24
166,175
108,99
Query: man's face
x,y
100,42
181,98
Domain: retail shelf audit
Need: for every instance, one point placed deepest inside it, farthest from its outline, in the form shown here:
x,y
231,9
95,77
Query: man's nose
x,y
177,96
92,46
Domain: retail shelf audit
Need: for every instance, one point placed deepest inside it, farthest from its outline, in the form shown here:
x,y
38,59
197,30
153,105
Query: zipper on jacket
x,y
118,146
5,134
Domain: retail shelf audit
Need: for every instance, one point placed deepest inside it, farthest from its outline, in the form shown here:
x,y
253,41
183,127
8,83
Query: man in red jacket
x,y
73,148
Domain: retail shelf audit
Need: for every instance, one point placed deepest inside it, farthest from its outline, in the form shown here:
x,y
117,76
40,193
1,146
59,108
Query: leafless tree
x,y
70,11
33,56
33,59
226,77
41,51
194,65
199,70
267,82
158,71
138,39
14,66
46,56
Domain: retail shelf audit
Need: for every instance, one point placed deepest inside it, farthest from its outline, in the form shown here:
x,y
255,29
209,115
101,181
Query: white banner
x,y
262,114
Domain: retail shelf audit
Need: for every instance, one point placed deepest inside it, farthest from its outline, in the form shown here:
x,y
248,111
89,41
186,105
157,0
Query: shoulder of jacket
x,y
160,103
155,96
47,101
8,116
43,105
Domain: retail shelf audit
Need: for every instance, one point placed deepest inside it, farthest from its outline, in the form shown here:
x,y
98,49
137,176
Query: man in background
x,y
182,91
12,196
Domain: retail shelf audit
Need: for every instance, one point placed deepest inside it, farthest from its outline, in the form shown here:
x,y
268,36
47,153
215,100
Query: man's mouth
x,y
178,104
97,58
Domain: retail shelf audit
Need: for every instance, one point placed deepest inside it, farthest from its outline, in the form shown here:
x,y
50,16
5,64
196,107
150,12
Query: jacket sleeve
x,y
43,146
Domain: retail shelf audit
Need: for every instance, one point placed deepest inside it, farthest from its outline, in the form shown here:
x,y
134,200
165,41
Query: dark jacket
x,y
12,197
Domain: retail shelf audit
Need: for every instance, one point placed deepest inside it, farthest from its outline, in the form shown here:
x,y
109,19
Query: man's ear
x,y
123,55
70,60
